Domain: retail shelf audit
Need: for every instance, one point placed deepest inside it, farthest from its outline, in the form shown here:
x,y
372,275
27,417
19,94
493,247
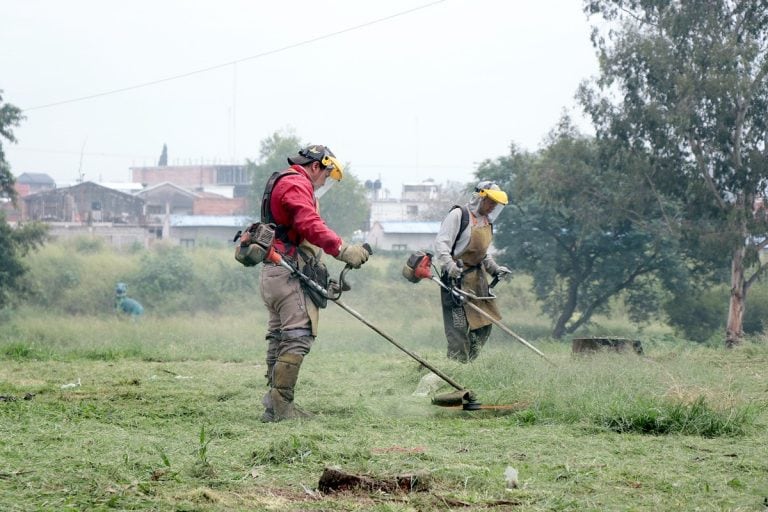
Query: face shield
x,y
329,162
320,192
494,214
494,196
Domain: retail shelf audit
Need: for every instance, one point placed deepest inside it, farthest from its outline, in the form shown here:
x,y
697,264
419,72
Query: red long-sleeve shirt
x,y
293,205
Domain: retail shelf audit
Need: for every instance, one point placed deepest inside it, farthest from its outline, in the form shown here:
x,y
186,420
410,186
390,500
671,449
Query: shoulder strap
x,y
266,198
462,224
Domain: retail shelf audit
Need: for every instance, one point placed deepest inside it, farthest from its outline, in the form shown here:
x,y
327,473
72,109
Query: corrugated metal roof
x,y
229,221
410,227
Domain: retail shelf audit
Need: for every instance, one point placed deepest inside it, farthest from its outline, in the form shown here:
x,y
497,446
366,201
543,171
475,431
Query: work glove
x,y
502,273
353,255
452,269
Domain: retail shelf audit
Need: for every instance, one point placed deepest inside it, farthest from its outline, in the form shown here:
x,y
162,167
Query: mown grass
x,y
166,418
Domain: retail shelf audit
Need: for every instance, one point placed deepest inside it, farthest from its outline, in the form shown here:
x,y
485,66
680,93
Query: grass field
x,y
163,414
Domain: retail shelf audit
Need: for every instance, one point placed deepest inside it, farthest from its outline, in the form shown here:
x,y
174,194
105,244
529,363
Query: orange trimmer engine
x,y
418,266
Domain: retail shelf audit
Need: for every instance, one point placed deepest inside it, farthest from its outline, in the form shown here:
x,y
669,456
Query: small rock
x,y
510,475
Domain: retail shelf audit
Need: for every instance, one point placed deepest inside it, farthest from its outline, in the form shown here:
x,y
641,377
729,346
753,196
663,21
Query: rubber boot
x,y
284,377
272,349
477,339
269,410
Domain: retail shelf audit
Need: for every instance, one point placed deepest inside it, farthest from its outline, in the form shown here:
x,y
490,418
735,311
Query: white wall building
x,y
403,235
414,203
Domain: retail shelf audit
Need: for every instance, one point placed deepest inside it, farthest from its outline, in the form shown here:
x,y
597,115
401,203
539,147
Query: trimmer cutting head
x,y
464,398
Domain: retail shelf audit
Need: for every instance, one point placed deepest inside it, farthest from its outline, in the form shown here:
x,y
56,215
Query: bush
x,y
756,309
703,316
699,317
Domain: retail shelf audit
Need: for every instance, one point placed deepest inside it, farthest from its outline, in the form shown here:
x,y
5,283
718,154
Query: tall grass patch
x,y
670,417
619,392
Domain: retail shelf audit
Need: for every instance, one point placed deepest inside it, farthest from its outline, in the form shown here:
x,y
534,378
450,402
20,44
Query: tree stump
x,y
591,345
335,480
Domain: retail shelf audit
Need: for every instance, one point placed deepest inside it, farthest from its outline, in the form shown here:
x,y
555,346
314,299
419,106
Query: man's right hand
x,y
353,255
452,269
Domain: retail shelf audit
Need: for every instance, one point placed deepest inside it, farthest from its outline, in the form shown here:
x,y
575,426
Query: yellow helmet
x,y
492,191
321,154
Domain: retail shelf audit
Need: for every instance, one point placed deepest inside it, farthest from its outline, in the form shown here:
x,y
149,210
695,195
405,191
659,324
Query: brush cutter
x,y
462,396
419,266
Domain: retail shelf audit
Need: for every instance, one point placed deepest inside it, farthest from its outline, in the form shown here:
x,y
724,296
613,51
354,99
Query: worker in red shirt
x,y
301,237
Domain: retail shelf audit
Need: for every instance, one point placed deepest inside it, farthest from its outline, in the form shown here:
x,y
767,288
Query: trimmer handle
x,y
343,283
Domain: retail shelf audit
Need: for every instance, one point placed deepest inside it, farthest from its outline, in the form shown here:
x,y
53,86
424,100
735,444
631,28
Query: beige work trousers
x,y
293,317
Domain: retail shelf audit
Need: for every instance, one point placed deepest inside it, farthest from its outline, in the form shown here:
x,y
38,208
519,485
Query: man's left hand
x,y
503,273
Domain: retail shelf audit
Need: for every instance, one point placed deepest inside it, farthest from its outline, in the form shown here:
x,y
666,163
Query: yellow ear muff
x,y
337,170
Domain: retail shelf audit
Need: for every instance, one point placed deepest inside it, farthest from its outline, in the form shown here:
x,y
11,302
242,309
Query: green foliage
x,y
63,279
682,428
89,244
21,352
203,467
164,274
756,315
174,280
345,207
14,243
286,451
697,419
698,315
691,78
273,152
164,280
584,228
10,116
12,268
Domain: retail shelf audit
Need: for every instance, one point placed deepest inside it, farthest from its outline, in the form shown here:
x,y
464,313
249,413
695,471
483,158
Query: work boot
x,y
269,411
284,377
477,339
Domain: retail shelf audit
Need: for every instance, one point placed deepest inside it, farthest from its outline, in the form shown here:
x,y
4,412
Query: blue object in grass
x,y
124,304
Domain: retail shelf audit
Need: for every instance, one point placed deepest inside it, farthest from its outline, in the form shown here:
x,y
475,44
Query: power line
x,y
371,165
233,62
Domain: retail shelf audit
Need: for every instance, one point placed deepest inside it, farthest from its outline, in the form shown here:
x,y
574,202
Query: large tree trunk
x,y
735,328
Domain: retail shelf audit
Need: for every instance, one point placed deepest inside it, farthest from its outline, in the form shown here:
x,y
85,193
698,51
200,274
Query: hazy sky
x,y
401,90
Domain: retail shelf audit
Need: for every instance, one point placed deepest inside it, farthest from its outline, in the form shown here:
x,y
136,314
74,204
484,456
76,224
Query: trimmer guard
x,y
465,398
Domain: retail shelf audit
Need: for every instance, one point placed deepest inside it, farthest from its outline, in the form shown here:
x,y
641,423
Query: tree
x,y
453,192
163,160
16,243
345,208
273,152
691,82
10,116
580,225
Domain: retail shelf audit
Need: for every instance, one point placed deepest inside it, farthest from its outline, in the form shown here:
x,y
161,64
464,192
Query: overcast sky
x,y
400,90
